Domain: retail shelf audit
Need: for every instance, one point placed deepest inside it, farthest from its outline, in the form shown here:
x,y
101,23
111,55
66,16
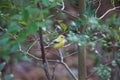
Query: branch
x,y
36,58
108,12
98,8
63,5
71,54
67,45
57,61
43,53
66,66
114,8
91,74
53,75
32,45
66,12
26,53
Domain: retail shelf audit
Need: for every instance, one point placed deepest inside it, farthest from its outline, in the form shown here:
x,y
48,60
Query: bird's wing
x,y
54,42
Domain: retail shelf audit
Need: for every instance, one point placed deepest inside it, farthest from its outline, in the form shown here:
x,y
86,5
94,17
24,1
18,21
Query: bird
x,y
57,43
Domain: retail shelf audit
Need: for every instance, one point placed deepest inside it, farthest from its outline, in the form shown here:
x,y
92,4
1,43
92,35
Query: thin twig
x,y
72,74
32,45
67,13
70,54
91,74
63,5
66,66
67,45
53,75
36,58
26,53
99,2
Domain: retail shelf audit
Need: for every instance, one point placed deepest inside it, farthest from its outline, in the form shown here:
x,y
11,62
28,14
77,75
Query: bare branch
x,y
91,74
98,8
66,66
61,55
114,8
34,57
32,45
66,12
108,12
70,54
43,54
63,5
31,55
53,75
72,74
67,45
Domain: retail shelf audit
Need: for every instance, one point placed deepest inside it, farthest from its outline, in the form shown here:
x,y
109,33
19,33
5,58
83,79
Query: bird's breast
x,y
59,45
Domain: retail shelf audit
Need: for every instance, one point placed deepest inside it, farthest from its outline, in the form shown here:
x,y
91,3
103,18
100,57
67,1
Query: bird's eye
x,y
61,36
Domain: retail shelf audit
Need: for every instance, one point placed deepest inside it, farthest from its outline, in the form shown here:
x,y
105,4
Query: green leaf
x,y
23,23
96,62
32,11
32,29
36,1
22,36
13,27
80,22
73,37
45,2
4,40
26,58
6,57
14,47
63,26
25,15
2,65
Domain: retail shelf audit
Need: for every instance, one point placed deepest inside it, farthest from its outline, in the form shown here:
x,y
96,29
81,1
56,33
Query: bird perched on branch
x,y
57,43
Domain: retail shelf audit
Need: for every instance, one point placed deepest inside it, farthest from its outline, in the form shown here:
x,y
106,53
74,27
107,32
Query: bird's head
x,y
61,37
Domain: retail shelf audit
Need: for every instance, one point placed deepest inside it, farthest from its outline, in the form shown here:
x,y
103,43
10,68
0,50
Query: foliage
x,y
103,71
20,19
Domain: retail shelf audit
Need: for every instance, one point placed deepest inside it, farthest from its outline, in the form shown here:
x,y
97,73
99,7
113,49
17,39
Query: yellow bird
x,y
58,42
